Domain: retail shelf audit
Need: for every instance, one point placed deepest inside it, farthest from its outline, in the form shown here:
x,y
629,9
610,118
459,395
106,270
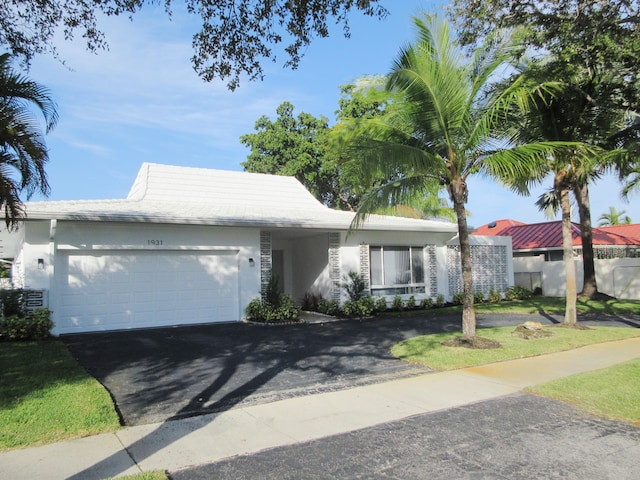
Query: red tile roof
x,y
549,235
494,228
631,230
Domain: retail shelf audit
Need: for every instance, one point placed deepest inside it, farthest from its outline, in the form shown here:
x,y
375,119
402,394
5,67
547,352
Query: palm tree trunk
x,y
458,190
570,316
589,285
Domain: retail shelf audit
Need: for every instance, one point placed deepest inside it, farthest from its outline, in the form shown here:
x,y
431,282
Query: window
x,y
396,270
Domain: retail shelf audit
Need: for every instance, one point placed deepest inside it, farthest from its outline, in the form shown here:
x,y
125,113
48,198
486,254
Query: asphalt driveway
x,y
169,373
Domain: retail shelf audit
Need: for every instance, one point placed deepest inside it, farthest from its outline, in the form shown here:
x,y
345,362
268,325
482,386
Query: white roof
x,y
185,195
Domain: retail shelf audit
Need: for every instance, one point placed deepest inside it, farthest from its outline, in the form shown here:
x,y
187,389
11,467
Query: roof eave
x,y
238,222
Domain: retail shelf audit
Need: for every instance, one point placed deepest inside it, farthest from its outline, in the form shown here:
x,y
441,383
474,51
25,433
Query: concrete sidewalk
x,y
178,444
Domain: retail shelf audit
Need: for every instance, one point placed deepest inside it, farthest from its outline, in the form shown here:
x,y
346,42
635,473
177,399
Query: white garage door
x,y
121,290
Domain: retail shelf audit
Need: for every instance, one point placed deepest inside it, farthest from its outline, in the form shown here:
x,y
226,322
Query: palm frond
x,y
19,91
549,203
404,190
9,195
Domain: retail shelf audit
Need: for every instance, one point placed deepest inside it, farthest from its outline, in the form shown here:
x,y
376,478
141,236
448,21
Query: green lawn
x,y
611,392
45,396
428,349
538,304
556,306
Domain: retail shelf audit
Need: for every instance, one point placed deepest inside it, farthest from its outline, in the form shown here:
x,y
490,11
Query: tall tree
x,y
236,36
593,44
565,116
300,146
443,130
23,152
552,117
296,146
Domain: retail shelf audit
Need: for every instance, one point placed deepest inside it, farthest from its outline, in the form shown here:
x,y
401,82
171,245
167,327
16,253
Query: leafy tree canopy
x,y
236,36
306,147
365,98
295,146
302,146
595,39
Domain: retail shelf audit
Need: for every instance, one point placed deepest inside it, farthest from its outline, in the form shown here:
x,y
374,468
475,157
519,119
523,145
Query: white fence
x,y
618,277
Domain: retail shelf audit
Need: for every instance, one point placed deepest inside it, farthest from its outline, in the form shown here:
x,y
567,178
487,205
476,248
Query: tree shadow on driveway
x,y
167,374
161,374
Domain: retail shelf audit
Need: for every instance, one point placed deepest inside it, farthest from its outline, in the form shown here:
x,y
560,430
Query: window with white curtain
x,y
396,270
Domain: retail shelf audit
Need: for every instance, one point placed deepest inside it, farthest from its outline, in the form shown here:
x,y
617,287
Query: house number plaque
x,y
155,243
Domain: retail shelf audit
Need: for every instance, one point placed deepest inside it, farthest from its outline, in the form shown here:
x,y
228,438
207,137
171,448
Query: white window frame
x,y
410,288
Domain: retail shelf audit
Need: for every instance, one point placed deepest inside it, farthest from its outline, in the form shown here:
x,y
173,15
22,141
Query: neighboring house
x,y
538,255
194,245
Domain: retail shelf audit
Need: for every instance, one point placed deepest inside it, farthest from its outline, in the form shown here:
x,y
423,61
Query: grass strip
x,y
557,305
45,396
538,305
610,392
428,349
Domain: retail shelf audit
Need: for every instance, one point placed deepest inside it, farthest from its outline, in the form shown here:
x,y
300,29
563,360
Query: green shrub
x,y
255,310
478,297
285,310
397,303
350,309
35,325
410,304
13,301
311,302
5,270
518,293
439,303
367,305
354,286
426,303
494,296
272,290
362,307
381,304
328,307
458,298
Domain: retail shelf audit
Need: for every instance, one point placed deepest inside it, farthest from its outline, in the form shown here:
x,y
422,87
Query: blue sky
x,y
141,101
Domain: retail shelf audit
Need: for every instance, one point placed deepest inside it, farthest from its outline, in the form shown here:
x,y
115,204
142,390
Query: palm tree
x,y
613,218
23,153
554,117
571,114
441,130
557,198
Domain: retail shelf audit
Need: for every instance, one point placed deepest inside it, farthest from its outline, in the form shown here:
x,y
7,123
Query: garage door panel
x,y
119,290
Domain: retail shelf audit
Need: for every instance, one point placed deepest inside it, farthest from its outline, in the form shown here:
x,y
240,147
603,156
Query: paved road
x,y
514,437
160,374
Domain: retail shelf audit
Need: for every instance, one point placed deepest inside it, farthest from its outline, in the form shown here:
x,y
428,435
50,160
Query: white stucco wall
x,y
37,247
285,246
311,260
621,276
618,277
